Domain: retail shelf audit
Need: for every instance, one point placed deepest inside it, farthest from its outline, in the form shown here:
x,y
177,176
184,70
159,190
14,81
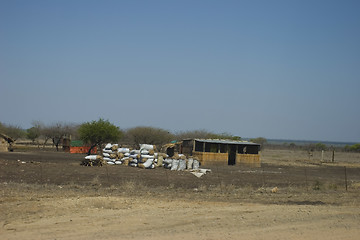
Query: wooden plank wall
x,y
208,158
212,158
251,160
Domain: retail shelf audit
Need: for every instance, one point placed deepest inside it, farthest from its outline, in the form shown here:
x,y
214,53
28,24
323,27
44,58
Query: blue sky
x,y
275,69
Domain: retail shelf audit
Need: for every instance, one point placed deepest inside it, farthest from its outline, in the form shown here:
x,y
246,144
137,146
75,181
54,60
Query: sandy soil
x,y
101,217
57,205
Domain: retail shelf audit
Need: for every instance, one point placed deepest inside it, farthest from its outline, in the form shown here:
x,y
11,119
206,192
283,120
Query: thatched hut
x,y
5,143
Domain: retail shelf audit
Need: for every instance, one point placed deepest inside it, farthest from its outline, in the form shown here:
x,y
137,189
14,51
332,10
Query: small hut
x,y
218,151
5,143
78,146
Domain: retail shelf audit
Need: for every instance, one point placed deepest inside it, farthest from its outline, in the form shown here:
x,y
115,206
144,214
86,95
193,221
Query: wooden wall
x,y
208,158
212,158
251,160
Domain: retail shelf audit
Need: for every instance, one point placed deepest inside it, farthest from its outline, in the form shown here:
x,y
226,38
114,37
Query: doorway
x,y
232,155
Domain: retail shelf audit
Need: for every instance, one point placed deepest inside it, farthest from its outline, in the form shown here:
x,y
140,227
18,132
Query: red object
x,y
82,150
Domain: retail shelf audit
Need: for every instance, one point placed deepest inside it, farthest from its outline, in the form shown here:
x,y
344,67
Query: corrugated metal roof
x,y
76,143
223,141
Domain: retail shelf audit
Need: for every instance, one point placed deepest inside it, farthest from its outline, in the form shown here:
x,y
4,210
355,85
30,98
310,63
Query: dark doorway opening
x,y
170,151
232,155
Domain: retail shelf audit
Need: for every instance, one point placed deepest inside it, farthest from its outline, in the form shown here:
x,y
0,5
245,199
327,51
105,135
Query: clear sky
x,y
276,69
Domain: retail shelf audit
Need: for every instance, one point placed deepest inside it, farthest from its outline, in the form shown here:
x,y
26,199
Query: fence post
x,y
306,180
346,185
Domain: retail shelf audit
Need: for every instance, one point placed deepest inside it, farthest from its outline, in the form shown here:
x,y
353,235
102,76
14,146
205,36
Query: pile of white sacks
x,y
145,157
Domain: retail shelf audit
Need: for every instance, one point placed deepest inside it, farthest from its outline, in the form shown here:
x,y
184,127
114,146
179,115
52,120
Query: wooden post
x,y
333,156
306,180
346,185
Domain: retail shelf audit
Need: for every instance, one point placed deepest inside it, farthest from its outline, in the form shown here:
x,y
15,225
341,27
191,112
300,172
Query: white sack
x,y
147,156
123,150
135,151
147,146
118,162
108,146
196,164
106,154
190,163
91,157
110,163
175,165
182,165
144,151
148,163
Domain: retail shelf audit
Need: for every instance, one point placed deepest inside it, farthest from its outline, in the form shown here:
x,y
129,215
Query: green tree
x,y
320,146
353,148
33,133
97,133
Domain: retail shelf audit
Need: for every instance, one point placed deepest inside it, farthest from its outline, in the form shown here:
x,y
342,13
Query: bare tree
x,y
57,132
149,135
13,131
193,134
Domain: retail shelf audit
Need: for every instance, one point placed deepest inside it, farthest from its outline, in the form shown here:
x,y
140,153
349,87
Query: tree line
x,y
96,133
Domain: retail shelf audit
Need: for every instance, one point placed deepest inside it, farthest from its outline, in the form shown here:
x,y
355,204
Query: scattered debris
x,y
200,172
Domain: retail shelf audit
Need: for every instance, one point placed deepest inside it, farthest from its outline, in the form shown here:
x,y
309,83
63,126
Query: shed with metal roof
x,y
219,151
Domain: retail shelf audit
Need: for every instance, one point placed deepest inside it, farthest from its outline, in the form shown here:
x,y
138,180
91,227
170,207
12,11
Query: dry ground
x,y
47,195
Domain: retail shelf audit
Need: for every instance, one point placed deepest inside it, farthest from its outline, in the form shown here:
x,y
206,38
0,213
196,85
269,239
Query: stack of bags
x,y
179,162
145,157
111,154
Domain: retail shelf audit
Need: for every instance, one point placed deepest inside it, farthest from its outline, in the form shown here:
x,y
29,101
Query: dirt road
x,y
146,217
